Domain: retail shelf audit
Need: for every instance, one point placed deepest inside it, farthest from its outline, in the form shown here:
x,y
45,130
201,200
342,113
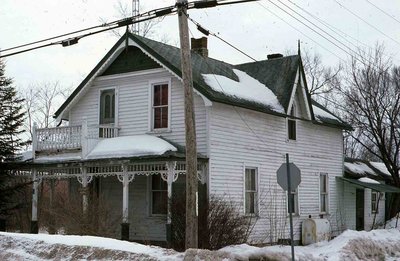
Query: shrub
x,y
220,223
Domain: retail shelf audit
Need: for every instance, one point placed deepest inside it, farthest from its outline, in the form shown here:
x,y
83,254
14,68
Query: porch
x,y
129,187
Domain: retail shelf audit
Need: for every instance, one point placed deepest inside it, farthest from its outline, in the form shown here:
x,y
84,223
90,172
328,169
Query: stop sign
x,y
282,177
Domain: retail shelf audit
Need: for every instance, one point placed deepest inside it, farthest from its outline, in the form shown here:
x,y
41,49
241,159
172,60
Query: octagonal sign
x,y
282,177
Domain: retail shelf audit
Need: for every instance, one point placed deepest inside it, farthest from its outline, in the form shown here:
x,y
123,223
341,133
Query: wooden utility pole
x,y
190,129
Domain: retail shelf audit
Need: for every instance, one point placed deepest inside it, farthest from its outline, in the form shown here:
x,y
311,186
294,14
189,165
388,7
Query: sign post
x,y
289,177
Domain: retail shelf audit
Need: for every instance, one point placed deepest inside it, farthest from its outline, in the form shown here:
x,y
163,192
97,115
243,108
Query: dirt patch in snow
x,y
367,249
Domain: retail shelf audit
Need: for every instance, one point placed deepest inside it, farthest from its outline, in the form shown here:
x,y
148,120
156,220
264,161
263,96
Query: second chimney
x,y
200,46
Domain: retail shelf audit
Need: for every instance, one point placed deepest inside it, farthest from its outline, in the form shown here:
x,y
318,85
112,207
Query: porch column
x,y
125,178
84,180
35,196
171,177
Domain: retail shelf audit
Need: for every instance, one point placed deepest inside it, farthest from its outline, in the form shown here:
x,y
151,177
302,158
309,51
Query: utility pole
x,y
190,129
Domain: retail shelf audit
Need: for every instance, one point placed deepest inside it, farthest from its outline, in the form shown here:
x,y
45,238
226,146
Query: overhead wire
x,y
207,32
383,11
334,29
362,19
116,24
301,32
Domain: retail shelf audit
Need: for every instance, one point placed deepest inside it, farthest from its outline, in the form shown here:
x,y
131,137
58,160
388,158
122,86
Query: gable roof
x,y
278,74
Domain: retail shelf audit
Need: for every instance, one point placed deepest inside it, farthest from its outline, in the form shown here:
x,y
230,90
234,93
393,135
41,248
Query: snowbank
x,y
377,244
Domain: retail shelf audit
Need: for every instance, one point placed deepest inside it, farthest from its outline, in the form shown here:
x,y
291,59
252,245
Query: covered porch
x,y
139,190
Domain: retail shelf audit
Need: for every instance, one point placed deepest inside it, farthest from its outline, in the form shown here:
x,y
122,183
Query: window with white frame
x,y
107,106
160,106
324,193
159,195
291,124
375,198
250,191
295,202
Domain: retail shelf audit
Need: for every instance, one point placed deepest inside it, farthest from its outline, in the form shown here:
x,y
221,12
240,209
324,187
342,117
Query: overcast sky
x,y
256,28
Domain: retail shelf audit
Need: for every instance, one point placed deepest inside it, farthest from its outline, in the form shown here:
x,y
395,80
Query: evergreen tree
x,y
11,120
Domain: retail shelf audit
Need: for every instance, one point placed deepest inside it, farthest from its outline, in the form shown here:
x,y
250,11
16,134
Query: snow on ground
x,y
380,244
130,146
246,88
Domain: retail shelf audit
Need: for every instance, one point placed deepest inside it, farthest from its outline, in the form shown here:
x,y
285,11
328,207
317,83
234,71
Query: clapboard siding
x,y
143,226
133,92
240,137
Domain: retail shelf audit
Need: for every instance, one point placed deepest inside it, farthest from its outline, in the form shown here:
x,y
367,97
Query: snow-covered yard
x,y
381,244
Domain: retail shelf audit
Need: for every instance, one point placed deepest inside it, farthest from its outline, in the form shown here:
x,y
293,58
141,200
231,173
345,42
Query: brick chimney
x,y
200,46
274,56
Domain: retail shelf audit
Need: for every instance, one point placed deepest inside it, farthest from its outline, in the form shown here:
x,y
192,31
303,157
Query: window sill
x,y
159,131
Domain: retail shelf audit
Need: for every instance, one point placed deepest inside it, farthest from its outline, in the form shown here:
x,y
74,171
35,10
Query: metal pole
x,y
191,240
290,205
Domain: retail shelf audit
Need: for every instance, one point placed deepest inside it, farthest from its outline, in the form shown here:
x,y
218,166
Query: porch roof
x,y
373,186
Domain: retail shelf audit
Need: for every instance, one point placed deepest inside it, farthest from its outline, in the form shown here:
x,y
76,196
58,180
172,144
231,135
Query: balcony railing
x,y
59,138
72,137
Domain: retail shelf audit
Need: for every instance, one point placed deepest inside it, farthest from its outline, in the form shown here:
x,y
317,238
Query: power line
x,y
208,32
334,29
315,31
362,19
301,32
119,23
383,11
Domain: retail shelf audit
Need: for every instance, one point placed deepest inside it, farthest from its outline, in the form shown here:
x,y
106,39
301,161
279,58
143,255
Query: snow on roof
x,y
359,168
246,88
368,180
381,167
320,113
130,146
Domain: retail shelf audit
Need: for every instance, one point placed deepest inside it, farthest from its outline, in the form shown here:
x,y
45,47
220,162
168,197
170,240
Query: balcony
x,y
71,138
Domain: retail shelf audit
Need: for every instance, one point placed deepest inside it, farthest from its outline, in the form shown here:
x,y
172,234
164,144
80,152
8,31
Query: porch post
x,y
171,177
35,194
125,179
84,180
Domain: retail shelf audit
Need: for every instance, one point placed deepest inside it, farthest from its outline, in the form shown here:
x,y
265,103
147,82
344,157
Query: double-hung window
x,y
159,195
294,202
250,191
375,197
291,125
160,106
324,193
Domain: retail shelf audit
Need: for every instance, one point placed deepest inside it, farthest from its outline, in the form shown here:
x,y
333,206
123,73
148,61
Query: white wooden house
x,y
126,129
366,192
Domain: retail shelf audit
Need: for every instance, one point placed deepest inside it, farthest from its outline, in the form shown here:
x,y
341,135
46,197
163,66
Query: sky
x,y
257,28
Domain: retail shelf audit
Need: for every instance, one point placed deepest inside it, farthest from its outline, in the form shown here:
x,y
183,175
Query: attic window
x,y
291,125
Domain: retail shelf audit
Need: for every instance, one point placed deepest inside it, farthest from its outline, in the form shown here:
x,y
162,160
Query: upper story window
x,y
107,107
160,106
291,124
324,193
250,197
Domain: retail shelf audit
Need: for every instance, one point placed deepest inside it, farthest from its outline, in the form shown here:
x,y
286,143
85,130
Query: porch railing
x,y
59,138
72,137
102,131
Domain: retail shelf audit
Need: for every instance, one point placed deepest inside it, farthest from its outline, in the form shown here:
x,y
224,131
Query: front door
x,y
360,209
